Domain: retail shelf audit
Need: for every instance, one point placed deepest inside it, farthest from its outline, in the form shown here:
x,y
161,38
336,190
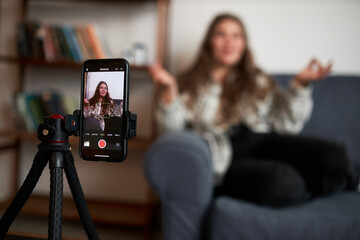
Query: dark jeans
x,y
278,170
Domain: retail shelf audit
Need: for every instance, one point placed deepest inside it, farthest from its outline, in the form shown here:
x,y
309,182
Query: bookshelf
x,y
43,62
136,210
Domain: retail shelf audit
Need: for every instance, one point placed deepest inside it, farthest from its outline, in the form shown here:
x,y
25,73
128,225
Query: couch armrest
x,y
179,169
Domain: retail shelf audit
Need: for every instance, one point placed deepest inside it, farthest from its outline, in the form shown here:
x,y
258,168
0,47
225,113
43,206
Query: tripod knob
x,y
45,132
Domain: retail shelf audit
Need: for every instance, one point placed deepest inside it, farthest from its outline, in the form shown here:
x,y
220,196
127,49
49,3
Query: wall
x,y
284,34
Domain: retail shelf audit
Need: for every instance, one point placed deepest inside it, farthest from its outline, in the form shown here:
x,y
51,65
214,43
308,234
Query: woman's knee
x,y
265,182
285,187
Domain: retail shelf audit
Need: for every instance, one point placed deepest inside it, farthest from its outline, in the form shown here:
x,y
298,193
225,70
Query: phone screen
x,y
103,104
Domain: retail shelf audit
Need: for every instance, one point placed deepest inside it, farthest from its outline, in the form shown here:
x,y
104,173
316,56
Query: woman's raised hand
x,y
314,71
86,104
166,83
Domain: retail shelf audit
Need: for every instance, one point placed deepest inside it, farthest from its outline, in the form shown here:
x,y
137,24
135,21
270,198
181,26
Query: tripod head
x,y
70,125
56,129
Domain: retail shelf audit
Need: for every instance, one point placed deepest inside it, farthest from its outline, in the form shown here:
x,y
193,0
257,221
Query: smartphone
x,y
104,102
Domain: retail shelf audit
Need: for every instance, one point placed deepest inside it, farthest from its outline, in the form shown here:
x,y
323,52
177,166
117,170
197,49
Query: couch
x,y
178,168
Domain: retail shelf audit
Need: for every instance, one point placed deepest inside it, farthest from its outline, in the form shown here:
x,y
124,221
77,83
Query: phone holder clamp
x,y
131,119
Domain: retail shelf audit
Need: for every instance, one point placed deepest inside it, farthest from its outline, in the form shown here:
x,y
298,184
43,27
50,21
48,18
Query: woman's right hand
x,y
165,81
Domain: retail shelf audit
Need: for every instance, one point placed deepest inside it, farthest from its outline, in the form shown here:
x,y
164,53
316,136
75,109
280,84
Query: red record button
x,y
102,143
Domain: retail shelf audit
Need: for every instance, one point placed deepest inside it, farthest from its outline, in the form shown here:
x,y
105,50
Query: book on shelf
x,y
29,109
60,42
95,41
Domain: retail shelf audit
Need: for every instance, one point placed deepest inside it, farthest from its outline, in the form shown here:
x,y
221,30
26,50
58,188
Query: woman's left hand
x,y
314,71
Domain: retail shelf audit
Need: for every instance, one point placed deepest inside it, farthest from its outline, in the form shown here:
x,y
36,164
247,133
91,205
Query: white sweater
x,y
203,115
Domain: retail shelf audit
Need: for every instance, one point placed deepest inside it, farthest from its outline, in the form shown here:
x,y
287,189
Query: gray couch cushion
x,y
334,217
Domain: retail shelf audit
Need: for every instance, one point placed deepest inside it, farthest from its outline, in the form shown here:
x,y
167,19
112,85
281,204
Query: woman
x,y
249,122
101,105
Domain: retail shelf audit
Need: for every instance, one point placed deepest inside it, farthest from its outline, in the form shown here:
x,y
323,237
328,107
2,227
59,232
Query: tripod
x,y
54,148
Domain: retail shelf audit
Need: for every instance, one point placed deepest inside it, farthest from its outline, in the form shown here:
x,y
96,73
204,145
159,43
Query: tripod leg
x,y
24,192
56,165
79,197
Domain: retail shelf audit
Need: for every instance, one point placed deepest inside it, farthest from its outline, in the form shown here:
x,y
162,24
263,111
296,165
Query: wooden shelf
x,y
43,62
105,212
31,236
102,1
133,144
